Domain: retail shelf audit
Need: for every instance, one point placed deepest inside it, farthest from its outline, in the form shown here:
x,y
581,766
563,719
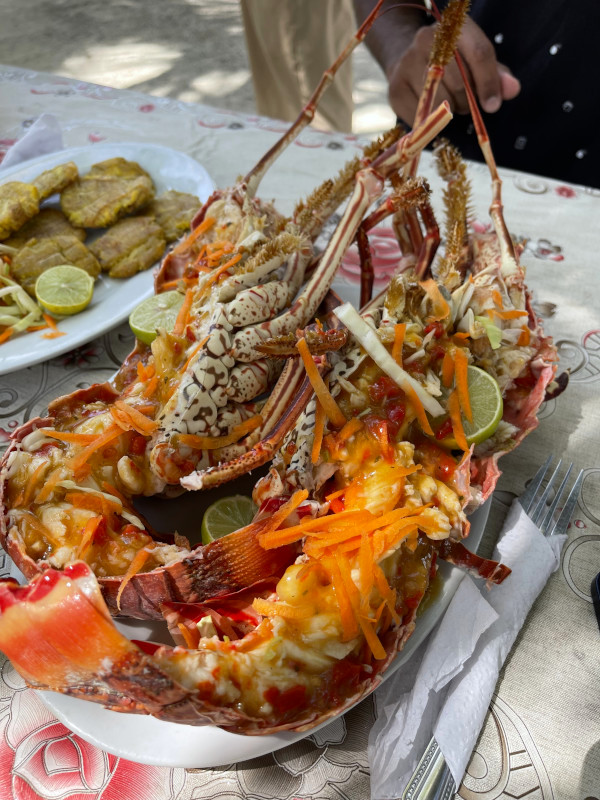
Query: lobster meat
x,y
292,619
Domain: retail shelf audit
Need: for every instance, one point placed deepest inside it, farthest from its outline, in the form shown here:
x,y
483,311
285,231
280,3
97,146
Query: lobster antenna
x,y
256,174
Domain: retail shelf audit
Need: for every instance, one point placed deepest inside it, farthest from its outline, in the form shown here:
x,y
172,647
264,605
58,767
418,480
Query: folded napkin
x,y
44,136
446,687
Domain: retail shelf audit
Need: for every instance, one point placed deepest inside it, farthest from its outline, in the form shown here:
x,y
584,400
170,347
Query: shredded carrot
x,y
512,314
53,334
268,608
349,623
215,442
6,334
318,436
72,438
184,311
365,570
109,435
497,298
178,282
34,328
194,352
189,640
331,408
419,410
206,223
49,485
137,421
91,526
369,633
439,304
214,276
461,363
335,495
349,429
32,481
51,322
447,369
108,487
151,387
457,427
525,337
93,502
399,334
386,591
137,563
461,336
277,538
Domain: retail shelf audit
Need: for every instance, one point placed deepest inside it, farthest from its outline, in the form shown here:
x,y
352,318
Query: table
x,y
540,739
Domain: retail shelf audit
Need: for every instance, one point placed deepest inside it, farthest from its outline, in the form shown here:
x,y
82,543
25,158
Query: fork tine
x,y
526,499
545,524
562,522
539,509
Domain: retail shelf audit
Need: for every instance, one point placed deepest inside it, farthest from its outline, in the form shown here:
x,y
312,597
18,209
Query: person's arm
x,y
401,41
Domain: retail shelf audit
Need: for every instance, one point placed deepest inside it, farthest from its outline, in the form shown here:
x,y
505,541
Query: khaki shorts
x,y
290,45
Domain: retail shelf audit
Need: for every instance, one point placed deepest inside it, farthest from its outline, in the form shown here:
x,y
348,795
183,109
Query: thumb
x,y
509,85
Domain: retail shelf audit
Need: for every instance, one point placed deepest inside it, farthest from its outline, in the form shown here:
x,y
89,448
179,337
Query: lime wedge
x,y
486,405
225,516
158,311
64,290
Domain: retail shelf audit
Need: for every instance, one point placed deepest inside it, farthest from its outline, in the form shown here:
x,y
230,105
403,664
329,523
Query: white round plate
x,y
167,744
113,299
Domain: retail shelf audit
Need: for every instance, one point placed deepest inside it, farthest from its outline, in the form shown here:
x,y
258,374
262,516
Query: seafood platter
x,y
372,426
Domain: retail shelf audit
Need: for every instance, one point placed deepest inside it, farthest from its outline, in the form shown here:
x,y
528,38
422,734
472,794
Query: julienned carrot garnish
x,y
318,437
109,435
32,482
399,334
269,608
461,363
184,311
71,438
447,369
194,352
511,314
214,276
206,223
332,410
349,429
177,283
6,334
354,598
130,418
215,442
136,565
49,485
457,427
349,622
87,539
524,337
497,298
151,387
108,487
419,410
189,640
440,306
54,332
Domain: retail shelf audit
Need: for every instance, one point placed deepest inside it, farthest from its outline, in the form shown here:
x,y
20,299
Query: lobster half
x,y
295,617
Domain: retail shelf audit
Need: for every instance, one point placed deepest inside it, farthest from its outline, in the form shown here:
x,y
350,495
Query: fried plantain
x,y
130,246
39,255
109,191
56,179
174,212
18,203
49,222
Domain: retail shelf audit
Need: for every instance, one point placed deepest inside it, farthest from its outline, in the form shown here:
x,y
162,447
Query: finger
x,y
510,85
403,100
454,86
480,56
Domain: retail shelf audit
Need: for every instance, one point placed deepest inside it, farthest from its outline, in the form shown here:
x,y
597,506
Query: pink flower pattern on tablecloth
x,y
40,759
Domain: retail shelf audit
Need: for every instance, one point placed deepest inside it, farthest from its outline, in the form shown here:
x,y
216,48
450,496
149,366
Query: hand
x,y
492,82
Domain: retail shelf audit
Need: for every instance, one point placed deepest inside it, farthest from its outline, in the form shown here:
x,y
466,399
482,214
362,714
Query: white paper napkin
x,y
446,688
44,136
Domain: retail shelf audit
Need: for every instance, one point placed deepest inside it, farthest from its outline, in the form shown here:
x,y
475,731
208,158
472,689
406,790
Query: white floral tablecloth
x,y
541,738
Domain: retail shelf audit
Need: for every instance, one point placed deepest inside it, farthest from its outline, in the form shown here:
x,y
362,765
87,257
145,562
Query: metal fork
x,y
432,779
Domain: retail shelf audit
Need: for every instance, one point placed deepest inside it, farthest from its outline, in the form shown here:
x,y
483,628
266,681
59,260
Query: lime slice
x,y
64,290
486,405
158,311
226,515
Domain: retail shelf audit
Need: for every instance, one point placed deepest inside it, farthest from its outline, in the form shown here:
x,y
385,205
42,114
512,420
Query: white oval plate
x,y
168,744
113,299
